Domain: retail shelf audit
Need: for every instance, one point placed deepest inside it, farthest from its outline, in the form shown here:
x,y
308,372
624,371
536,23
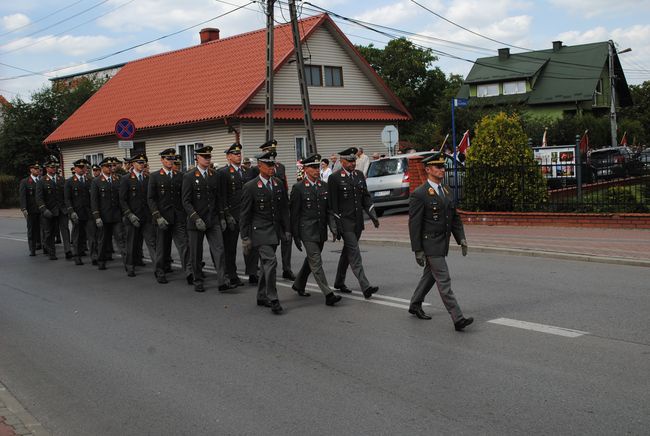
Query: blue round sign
x,y
125,129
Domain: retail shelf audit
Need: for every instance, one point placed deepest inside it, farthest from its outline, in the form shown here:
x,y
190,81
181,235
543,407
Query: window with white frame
x,y
187,153
516,87
301,148
94,158
487,90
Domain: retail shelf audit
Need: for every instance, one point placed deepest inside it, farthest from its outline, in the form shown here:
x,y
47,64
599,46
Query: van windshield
x,y
387,167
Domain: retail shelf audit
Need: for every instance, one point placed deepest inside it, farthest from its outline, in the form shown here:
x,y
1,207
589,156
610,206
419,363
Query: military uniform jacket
x,y
27,191
231,183
432,221
164,195
133,196
349,197
264,214
49,195
105,199
77,197
309,211
201,197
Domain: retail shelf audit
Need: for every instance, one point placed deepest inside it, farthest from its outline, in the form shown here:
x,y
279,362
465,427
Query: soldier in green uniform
x,y
50,201
432,222
231,181
200,194
349,198
133,202
105,208
310,215
77,202
166,206
29,208
264,222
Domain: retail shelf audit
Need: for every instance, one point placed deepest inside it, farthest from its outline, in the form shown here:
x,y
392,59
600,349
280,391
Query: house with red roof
x,y
213,94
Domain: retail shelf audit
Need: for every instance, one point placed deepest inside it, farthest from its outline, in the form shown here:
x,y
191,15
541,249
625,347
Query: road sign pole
x,y
453,141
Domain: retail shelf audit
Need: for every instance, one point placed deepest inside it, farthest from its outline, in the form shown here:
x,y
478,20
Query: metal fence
x,y
607,184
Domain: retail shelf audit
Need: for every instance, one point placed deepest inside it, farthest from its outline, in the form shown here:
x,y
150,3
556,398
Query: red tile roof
x,y
206,82
327,113
4,102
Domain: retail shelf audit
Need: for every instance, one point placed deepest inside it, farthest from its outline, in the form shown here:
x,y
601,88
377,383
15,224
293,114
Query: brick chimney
x,y
557,45
209,34
504,53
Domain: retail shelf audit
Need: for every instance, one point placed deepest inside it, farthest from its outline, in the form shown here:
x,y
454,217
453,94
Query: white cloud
x,y
153,48
11,22
594,8
475,14
400,12
65,45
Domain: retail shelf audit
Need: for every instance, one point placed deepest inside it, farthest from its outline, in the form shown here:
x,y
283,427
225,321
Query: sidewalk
x,y
14,419
618,246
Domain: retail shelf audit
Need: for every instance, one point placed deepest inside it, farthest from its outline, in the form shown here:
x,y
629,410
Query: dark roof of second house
x,y
562,74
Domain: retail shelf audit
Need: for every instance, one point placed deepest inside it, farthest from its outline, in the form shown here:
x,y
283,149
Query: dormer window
x,y
487,90
517,87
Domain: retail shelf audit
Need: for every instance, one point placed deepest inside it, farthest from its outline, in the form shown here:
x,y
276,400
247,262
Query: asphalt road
x,y
92,352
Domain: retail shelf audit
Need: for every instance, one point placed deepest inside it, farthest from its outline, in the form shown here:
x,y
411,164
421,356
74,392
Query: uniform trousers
x,y
82,231
215,243
252,260
174,232
351,255
33,231
105,234
436,271
52,227
313,264
230,240
266,288
134,238
285,249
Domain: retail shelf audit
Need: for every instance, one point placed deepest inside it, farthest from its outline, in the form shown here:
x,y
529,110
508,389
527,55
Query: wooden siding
x,y
324,50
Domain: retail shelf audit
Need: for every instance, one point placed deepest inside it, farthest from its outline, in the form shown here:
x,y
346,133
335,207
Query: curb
x,y
526,252
15,418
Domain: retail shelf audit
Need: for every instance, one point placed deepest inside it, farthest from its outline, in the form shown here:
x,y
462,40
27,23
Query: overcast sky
x,y
60,37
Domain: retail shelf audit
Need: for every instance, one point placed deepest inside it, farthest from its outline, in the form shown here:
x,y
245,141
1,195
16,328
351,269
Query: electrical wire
x,y
31,23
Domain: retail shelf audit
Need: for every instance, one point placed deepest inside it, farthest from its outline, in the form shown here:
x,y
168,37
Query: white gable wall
x,y
325,51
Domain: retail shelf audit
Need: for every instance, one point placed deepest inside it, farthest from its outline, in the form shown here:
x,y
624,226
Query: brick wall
x,y
602,220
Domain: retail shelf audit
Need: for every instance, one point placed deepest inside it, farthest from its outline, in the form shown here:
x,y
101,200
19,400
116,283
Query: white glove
x,y
47,214
25,213
200,225
246,246
161,223
99,223
74,217
420,258
463,247
134,219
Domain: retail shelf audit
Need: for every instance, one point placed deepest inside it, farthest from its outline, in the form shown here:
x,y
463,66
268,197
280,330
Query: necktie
x,y
81,179
268,185
441,192
54,180
140,178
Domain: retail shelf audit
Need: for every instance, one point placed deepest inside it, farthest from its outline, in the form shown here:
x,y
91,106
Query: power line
x,y
31,23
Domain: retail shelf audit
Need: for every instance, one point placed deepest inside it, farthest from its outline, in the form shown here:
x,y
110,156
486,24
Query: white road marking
x,y
13,239
560,331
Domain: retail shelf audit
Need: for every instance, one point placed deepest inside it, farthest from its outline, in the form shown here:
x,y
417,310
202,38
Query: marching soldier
x,y
200,193
310,215
231,181
77,202
349,198
166,206
50,201
29,208
281,174
96,171
432,221
264,221
105,207
133,202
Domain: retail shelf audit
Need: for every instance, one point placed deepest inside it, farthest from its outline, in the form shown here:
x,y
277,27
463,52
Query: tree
x,y
27,124
501,171
638,116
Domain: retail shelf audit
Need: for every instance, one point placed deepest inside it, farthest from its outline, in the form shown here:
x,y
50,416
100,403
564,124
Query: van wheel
x,y
380,212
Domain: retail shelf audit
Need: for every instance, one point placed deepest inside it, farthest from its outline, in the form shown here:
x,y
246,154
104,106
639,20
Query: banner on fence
x,y
556,162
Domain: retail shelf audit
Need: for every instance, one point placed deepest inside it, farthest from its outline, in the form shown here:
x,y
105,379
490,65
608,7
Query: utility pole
x,y
304,93
268,101
612,93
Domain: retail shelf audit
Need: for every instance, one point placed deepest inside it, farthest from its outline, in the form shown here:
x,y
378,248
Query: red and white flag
x,y
624,139
464,143
584,142
544,137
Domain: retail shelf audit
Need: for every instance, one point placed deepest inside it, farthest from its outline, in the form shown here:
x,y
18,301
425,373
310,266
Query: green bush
x,y
8,191
622,199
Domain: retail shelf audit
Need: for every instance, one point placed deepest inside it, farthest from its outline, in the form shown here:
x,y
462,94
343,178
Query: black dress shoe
x,y
367,293
169,269
331,299
77,261
94,262
462,323
32,253
199,288
68,255
288,275
275,307
226,287
52,257
301,292
102,266
140,263
253,280
190,279
343,289
236,282
264,303
39,247
162,280
417,311
130,273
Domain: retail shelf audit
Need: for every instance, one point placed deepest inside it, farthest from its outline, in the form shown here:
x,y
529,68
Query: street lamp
x,y
612,88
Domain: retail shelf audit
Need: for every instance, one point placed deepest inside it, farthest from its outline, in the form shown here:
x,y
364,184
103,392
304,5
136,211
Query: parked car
x,y
644,159
613,162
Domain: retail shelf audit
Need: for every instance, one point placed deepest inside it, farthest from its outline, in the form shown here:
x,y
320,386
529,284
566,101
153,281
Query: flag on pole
x,y
584,142
624,139
544,137
464,143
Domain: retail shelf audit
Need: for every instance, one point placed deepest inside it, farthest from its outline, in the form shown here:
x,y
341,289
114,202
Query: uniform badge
x,y
132,176
342,174
431,191
197,173
75,179
259,184
162,172
196,181
275,183
307,183
232,170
